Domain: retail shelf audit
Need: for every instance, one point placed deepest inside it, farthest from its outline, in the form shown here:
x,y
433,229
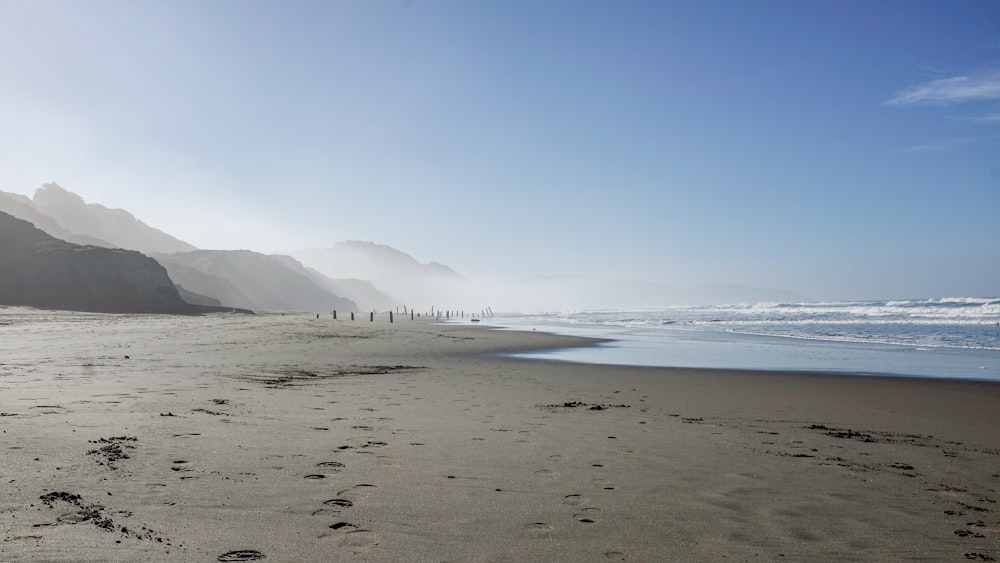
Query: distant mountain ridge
x,y
351,275
373,275
65,215
24,208
116,226
362,292
390,270
243,278
39,270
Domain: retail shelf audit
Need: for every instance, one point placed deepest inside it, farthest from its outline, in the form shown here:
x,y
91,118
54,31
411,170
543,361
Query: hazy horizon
x,y
839,150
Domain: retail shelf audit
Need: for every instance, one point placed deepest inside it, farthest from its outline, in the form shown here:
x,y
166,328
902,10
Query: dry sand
x,y
287,438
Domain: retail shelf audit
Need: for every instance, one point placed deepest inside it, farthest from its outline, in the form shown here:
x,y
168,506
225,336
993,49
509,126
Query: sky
x,y
840,149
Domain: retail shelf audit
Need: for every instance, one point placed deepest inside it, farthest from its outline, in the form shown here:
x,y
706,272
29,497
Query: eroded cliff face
x,y
38,270
249,279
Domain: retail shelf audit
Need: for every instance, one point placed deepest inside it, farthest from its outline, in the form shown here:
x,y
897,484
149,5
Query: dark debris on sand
x,y
876,436
206,411
241,555
583,405
113,450
94,513
295,377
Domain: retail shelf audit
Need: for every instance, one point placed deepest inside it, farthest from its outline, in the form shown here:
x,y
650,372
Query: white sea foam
x,y
953,322
950,337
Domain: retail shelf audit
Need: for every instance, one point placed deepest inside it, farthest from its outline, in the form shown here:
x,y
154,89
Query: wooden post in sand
x,y
334,314
411,314
371,317
390,316
352,316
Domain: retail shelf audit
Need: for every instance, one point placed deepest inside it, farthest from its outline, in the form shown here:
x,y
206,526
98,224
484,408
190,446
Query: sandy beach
x,y
291,438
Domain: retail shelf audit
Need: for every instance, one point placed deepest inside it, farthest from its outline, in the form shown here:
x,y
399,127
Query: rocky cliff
x,y
38,270
362,292
69,217
252,280
23,207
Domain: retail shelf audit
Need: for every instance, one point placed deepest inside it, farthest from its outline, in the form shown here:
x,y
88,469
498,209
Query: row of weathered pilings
x,y
437,314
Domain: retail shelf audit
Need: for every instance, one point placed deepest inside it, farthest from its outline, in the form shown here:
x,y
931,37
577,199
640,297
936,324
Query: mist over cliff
x,y
23,207
401,276
66,215
239,279
349,275
252,280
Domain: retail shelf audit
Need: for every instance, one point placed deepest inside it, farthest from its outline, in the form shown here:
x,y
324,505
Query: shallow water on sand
x,y
709,347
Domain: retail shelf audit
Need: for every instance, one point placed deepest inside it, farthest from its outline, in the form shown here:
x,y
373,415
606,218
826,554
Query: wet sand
x,y
287,438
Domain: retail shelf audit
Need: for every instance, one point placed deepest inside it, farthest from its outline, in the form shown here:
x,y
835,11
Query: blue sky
x,y
838,149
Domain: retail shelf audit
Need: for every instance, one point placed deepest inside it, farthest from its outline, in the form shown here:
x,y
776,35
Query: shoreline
x,y
651,355
229,437
860,385
748,371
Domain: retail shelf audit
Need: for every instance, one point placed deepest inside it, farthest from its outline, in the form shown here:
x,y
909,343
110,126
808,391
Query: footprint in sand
x,y
602,483
180,466
546,473
588,515
386,460
357,492
74,517
359,541
333,507
352,537
615,555
330,466
539,530
574,500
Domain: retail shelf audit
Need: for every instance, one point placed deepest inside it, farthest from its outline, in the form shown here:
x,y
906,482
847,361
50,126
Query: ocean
x,y
943,338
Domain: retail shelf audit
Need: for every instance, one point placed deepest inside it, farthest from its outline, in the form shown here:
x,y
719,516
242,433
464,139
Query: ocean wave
x,y
960,322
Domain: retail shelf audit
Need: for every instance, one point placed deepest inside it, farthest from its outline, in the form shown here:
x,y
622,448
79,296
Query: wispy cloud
x,y
940,145
994,118
978,87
